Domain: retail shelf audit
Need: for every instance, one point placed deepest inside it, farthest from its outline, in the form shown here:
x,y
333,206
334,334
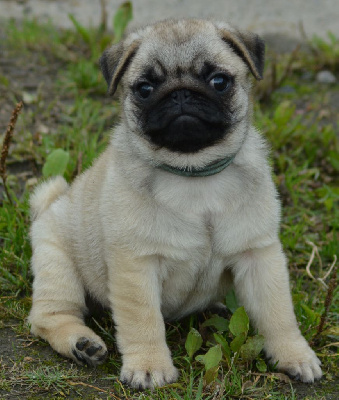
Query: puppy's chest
x,y
191,278
189,285
191,216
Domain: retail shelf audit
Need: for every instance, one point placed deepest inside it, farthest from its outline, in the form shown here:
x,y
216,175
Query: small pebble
x,y
29,98
41,128
325,77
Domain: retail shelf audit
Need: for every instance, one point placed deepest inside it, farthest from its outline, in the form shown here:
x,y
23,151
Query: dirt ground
x,y
18,355
17,352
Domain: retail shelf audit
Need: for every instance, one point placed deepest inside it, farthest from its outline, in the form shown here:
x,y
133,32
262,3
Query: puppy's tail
x,y
45,194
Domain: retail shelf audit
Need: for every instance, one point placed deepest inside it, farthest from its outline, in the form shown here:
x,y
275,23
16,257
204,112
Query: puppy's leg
x,y
59,305
135,300
262,286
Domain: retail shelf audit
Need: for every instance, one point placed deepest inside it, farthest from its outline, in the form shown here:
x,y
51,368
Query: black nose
x,y
180,96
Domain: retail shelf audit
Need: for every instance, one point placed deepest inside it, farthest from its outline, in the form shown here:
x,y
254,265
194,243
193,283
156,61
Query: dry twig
x,y
6,144
78,166
328,301
276,82
91,386
315,251
330,287
288,68
307,40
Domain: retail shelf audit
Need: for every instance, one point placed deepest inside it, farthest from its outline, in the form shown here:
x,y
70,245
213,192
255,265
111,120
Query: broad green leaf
x,y
193,342
213,357
224,346
231,301
120,20
251,349
261,366
211,375
56,163
238,341
220,323
200,358
239,322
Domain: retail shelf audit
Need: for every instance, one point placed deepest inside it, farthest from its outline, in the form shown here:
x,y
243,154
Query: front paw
x,y
296,359
148,371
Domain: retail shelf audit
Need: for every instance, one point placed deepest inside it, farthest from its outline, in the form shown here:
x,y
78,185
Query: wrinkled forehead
x,y
185,48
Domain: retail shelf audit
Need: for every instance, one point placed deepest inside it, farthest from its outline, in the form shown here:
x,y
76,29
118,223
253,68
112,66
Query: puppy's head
x,y
185,84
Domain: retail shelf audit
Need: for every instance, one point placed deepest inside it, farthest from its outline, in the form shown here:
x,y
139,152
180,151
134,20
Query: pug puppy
x,y
179,208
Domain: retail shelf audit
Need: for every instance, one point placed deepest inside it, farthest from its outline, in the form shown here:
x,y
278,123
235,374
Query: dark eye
x,y
220,82
144,90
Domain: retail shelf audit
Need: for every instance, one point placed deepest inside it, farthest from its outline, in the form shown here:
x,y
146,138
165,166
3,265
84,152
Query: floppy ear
x,y
115,61
248,46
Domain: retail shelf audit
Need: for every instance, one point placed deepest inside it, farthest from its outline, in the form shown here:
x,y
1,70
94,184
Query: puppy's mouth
x,y
185,121
185,127
187,133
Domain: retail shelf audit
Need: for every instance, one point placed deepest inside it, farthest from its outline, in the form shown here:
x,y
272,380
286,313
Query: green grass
x,y
301,127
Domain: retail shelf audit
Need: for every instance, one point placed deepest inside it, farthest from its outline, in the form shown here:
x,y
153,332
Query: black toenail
x,y
81,343
93,349
79,356
295,377
101,358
